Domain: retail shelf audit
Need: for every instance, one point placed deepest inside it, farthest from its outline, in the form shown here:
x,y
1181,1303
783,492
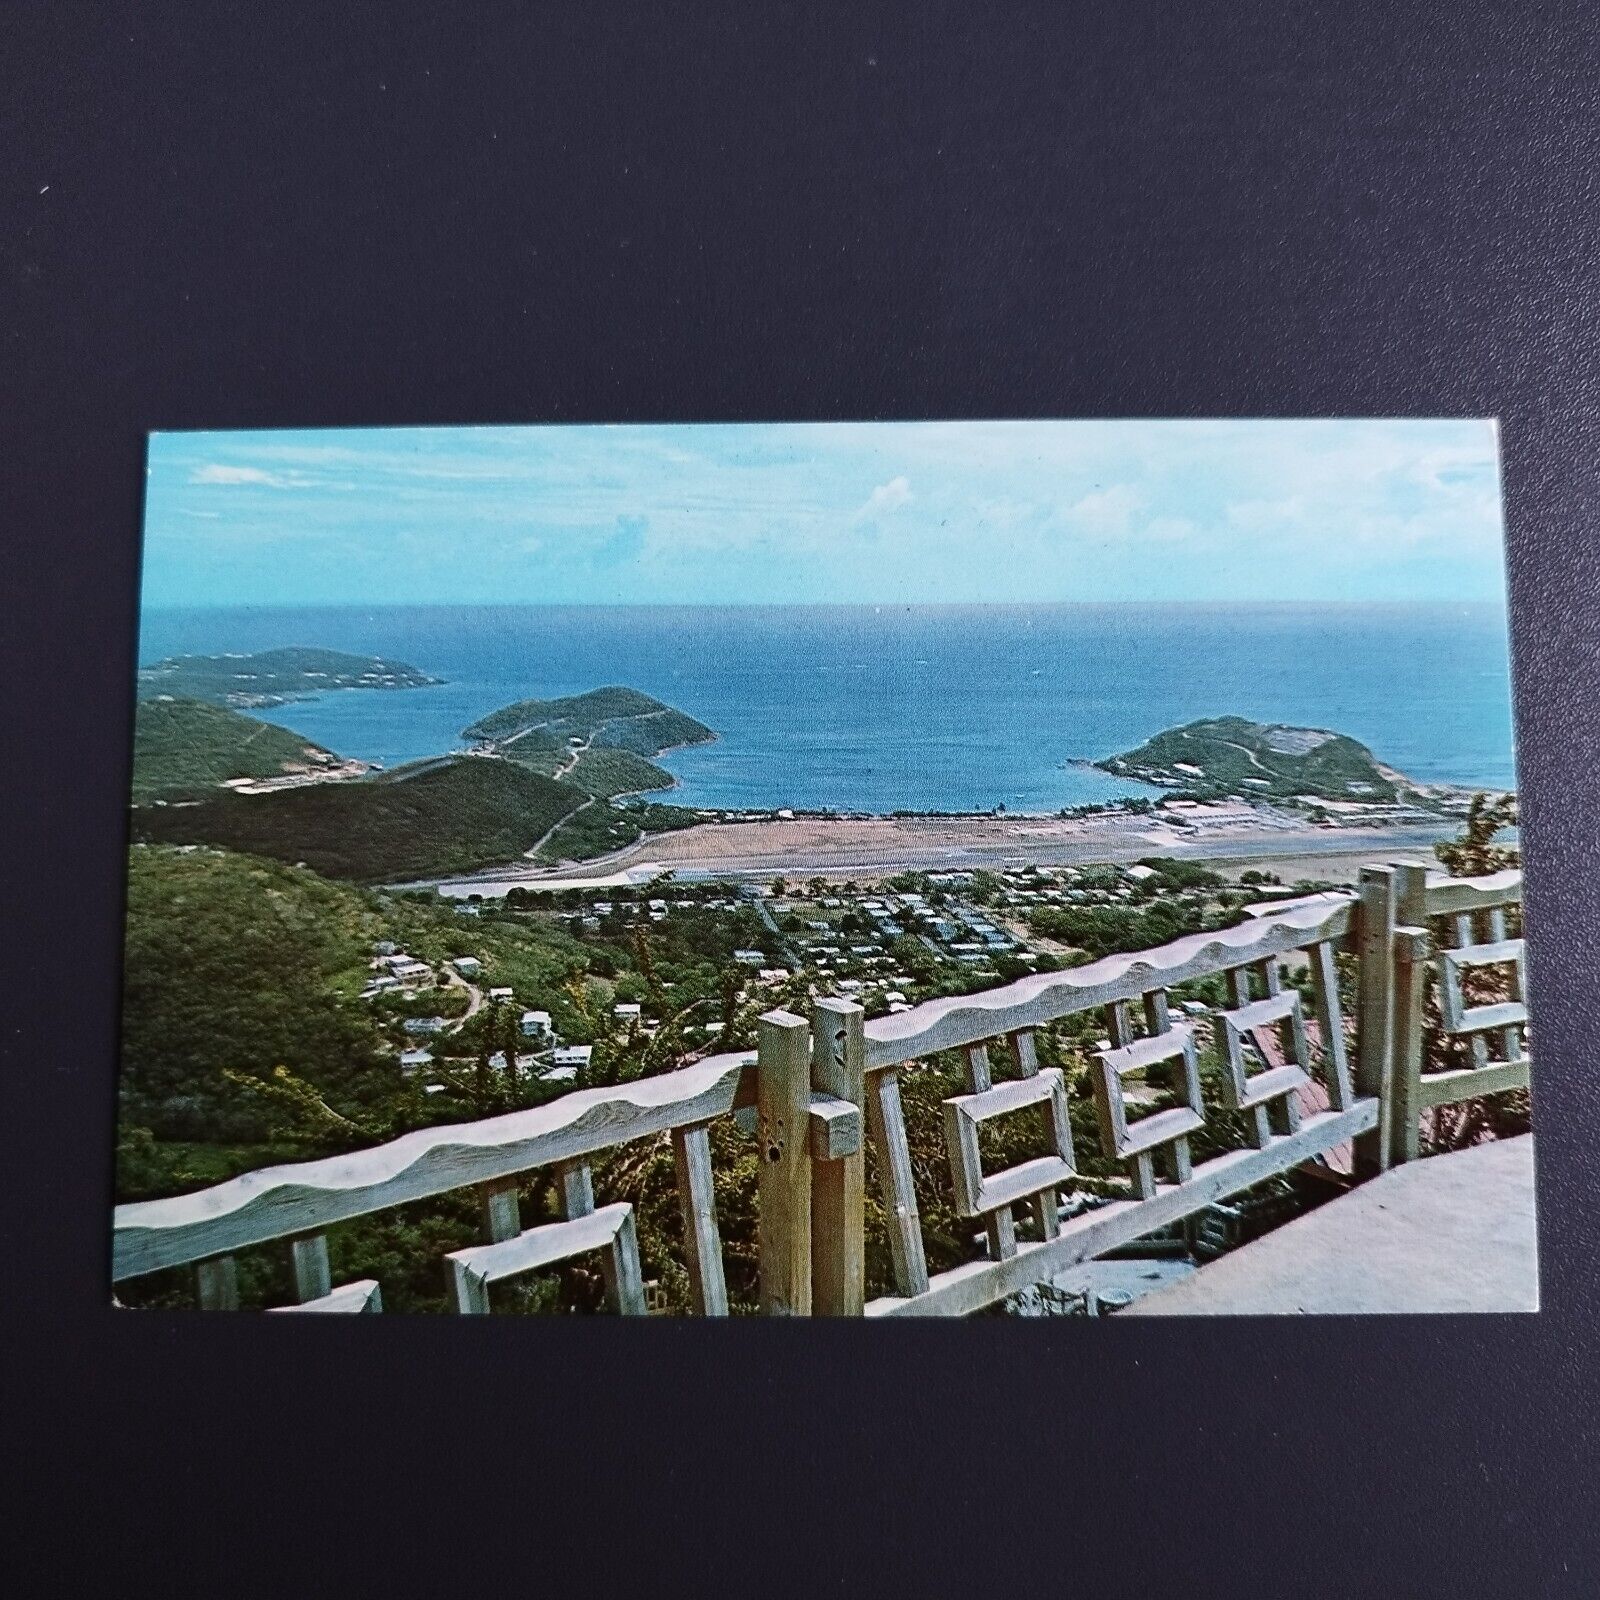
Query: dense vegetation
x,y
613,772
581,716
1230,755
444,816
598,829
269,677
182,746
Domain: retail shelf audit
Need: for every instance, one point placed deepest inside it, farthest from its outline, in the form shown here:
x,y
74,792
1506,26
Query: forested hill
x,y
271,677
610,718
1230,755
184,746
601,741
445,816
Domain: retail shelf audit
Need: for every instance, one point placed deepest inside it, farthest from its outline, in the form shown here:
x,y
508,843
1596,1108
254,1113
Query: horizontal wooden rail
x,y
1451,896
309,1196
1029,1002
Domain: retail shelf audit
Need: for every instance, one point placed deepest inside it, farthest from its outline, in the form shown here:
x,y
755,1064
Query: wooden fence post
x,y
838,1188
783,1158
1411,977
1375,924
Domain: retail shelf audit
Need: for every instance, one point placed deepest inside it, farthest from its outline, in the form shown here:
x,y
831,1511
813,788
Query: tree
x,y
1474,854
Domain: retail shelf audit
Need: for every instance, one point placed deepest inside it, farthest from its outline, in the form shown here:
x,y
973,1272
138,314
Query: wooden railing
x,y
1443,919
811,1083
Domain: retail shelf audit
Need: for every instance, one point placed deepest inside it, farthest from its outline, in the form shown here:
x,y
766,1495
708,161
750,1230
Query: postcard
x,y
1019,868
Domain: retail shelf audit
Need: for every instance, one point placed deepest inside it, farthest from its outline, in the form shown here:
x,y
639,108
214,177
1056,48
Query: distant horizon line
x,y
797,605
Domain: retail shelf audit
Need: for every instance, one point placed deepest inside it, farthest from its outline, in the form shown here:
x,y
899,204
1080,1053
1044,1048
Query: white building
x,y
750,958
575,1056
502,993
467,966
627,1010
536,1025
412,1060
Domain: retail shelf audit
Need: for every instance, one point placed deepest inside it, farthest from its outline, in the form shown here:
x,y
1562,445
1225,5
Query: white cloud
x,y
886,497
1105,510
216,472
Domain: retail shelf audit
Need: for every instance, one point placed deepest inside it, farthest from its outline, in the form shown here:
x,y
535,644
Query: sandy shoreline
x,y
880,846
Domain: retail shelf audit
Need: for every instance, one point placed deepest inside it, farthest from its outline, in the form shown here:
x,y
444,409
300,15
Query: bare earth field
x,y
881,846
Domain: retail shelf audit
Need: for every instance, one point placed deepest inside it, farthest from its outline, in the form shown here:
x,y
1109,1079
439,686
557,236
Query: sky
x,y
1398,510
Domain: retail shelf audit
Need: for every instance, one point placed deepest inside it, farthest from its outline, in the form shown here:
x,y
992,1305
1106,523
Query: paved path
x,y
1448,1233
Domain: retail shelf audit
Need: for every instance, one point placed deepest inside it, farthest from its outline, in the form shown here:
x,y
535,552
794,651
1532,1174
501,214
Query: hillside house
x,y
467,966
536,1025
414,1060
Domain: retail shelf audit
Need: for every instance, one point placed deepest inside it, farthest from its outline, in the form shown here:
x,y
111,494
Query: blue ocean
x,y
943,708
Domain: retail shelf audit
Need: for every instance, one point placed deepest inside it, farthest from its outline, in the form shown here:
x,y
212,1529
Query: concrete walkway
x,y
1448,1233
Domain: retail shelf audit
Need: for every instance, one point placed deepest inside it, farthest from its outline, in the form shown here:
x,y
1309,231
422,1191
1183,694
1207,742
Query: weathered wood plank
x,y
968,1019
783,1163
977,1284
308,1259
1467,1083
1451,896
277,1202
1375,1038
472,1270
217,1284
362,1296
691,1156
626,1272
838,1179
1046,1208
834,1128
886,1125
1021,1182
1411,979
1149,1133
1330,1018
1510,1038
961,1141
502,1218
575,1184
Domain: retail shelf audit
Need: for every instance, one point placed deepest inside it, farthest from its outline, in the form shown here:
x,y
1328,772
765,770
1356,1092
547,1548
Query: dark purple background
x,y
334,214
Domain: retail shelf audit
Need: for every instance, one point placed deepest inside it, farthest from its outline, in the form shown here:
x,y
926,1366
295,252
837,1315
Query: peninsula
x,y
1229,755
601,740
184,747
272,677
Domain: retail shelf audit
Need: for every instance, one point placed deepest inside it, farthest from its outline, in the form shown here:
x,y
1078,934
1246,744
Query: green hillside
x,y
185,745
441,817
1230,755
611,772
622,718
270,677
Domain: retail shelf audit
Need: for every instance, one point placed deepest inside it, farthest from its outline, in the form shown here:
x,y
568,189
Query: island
x,y
1230,755
273,677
